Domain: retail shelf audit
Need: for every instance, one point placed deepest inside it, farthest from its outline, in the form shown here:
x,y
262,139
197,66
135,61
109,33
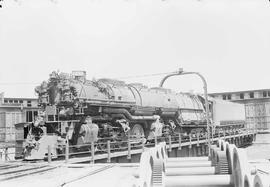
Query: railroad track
x,y
88,174
11,171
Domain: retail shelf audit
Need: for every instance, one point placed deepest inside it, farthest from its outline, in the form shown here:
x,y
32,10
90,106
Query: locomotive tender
x,y
120,110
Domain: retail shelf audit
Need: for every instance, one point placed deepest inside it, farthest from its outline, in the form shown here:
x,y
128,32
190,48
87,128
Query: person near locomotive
x,y
88,133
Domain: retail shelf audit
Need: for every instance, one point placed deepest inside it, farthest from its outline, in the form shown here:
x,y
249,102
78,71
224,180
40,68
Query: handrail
x,y
127,146
130,145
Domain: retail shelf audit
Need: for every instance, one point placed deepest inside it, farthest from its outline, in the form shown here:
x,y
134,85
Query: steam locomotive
x,y
119,110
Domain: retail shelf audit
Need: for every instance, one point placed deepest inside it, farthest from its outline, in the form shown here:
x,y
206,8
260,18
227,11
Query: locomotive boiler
x,y
118,110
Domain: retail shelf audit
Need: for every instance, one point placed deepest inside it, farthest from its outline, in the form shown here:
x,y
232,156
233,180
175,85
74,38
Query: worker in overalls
x,y
155,129
88,132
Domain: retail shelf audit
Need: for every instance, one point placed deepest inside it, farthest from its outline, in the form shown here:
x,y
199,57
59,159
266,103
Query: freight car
x,y
70,105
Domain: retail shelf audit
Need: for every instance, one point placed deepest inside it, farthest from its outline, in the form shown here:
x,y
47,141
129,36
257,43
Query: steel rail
x,y
24,173
88,174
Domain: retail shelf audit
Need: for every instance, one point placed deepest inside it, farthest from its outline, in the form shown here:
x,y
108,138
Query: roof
x,y
16,98
20,98
245,91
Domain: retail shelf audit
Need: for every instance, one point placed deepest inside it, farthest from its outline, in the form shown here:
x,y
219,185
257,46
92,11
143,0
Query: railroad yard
x,y
134,93
146,137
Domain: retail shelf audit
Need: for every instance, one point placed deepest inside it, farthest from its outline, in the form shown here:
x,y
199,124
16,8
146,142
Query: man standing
x,y
155,129
88,132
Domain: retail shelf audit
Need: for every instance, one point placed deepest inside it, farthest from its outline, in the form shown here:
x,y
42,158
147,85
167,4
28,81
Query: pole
x,y
109,151
190,146
180,141
198,138
6,153
49,154
170,143
92,153
67,151
181,72
129,150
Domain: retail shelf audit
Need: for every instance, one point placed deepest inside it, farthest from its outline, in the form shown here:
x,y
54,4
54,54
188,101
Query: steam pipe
x,y
181,72
127,114
170,75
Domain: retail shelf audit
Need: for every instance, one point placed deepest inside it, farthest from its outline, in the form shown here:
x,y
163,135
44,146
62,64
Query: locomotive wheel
x,y
137,131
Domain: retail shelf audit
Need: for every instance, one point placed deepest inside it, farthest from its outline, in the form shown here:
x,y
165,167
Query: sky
x,y
227,41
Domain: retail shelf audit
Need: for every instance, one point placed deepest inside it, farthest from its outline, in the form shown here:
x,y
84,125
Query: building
x,y
15,110
257,106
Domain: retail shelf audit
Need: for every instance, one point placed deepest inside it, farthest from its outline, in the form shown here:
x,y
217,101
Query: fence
x,y
107,149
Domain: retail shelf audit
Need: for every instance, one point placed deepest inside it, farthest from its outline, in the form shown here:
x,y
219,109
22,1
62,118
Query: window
x,y
29,116
224,97
251,95
16,101
268,93
229,96
21,101
241,96
264,94
35,113
29,104
10,101
5,101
